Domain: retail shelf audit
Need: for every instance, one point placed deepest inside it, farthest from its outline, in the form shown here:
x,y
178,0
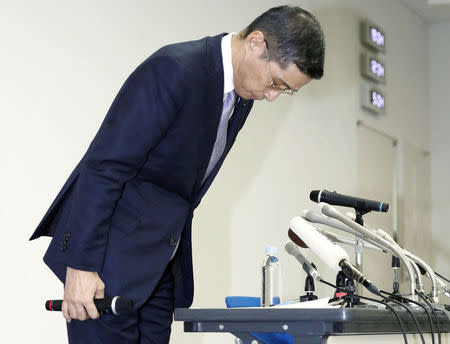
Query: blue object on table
x,y
268,338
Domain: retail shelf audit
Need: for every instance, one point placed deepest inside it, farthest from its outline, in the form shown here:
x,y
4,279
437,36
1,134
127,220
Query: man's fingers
x,y
100,292
65,311
79,291
72,311
81,312
92,310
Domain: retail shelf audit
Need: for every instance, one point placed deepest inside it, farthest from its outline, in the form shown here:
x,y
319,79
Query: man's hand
x,y
80,290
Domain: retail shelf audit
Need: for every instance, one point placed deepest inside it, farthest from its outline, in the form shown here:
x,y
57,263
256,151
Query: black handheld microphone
x,y
113,305
361,204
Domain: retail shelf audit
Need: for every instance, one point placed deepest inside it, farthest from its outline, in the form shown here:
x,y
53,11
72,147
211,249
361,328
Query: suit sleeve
x,y
138,119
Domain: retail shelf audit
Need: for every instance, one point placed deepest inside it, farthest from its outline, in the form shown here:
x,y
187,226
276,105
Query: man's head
x,y
282,49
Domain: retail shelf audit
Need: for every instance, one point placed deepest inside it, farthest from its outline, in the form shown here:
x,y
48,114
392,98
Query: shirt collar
x,y
228,84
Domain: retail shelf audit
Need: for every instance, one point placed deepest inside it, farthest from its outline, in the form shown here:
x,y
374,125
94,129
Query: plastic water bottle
x,y
271,278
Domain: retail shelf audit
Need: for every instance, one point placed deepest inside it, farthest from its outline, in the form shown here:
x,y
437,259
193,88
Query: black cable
x,y
445,279
418,304
412,315
373,300
434,314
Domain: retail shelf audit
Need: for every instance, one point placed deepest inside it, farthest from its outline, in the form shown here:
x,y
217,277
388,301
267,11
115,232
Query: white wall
x,y
440,141
64,63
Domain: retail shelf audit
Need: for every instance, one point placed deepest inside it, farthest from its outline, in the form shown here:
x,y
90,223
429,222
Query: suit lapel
x,y
213,102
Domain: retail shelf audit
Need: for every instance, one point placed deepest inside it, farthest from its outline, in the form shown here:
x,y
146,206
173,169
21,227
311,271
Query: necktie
x,y
221,140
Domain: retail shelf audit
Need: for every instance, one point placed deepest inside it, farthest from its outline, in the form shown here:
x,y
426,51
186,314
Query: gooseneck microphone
x,y
314,217
361,204
113,305
293,250
330,211
333,255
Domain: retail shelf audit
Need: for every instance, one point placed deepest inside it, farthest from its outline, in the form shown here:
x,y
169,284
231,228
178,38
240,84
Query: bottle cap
x,y
271,251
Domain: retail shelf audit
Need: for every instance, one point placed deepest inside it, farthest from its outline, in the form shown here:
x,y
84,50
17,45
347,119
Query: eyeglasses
x,y
279,89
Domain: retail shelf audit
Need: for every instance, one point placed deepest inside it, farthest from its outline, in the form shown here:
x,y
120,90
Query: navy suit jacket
x,y
132,195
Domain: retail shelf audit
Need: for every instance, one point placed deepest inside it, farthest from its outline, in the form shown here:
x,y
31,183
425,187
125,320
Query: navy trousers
x,y
151,324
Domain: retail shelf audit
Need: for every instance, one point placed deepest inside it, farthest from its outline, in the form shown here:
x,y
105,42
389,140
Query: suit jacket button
x,y
172,242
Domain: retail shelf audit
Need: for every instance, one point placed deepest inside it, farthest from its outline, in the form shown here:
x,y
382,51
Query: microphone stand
x,y
359,246
358,254
341,279
309,288
348,298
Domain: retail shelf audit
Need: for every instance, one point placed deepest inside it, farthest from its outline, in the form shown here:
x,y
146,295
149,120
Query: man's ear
x,y
255,39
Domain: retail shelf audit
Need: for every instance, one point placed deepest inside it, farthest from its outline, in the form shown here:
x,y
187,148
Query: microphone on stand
x,y
293,250
333,255
330,211
315,217
361,204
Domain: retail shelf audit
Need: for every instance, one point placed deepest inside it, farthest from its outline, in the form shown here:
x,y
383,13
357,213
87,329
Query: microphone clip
x,y
359,215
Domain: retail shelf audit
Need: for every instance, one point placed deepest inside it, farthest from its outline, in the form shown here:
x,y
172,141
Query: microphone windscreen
x,y
328,251
124,306
294,237
314,196
291,247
